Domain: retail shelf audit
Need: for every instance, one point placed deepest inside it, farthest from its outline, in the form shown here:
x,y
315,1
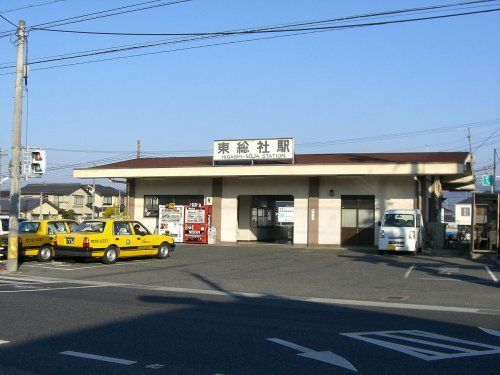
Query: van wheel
x,y
44,254
110,255
164,250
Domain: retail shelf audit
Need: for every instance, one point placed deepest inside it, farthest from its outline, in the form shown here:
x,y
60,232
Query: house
x,y
63,197
30,209
463,212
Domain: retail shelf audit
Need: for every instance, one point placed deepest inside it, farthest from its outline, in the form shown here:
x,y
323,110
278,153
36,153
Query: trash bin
x,y
212,235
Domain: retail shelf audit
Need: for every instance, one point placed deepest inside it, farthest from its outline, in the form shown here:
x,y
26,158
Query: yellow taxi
x,y
110,239
37,238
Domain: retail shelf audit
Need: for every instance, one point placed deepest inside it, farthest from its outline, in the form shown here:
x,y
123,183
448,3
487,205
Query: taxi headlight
x,y
412,235
381,234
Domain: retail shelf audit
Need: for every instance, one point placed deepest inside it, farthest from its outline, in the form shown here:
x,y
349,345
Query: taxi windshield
x,y
399,220
91,226
28,227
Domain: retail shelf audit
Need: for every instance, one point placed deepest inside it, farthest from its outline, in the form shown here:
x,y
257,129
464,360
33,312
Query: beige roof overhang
x,y
389,169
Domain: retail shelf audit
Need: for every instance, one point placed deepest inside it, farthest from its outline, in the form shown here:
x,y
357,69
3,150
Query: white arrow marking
x,y
326,356
490,331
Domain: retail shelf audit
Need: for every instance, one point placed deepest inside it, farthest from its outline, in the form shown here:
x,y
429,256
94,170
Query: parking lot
x,y
442,277
258,309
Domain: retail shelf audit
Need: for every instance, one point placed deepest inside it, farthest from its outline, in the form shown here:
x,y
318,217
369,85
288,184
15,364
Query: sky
x,y
321,87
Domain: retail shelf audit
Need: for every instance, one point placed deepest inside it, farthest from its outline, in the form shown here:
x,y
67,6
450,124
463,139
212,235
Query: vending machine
x,y
171,221
198,220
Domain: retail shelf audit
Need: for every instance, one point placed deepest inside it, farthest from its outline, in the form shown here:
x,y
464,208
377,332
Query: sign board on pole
x,y
253,149
488,180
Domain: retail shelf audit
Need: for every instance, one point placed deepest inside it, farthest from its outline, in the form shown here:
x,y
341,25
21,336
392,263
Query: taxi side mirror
x,y
379,223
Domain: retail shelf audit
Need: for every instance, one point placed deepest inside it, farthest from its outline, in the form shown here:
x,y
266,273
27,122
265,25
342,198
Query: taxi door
x,y
31,237
122,236
144,239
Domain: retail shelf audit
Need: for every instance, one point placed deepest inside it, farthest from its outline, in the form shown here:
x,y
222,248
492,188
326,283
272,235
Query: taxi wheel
x,y
110,255
44,254
163,250
381,252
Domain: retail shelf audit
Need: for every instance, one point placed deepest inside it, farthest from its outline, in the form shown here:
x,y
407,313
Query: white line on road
x,y
45,289
99,357
4,342
492,275
490,331
409,271
326,356
270,296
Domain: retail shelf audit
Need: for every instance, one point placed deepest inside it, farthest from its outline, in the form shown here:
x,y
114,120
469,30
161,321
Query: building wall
x,y
173,186
48,212
234,187
390,193
459,218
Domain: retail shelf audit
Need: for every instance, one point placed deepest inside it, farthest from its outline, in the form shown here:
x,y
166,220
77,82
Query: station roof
x,y
304,159
454,165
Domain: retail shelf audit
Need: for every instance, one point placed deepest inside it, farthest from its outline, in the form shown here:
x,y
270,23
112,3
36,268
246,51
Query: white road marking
x,y
4,342
268,296
326,356
409,271
154,366
492,275
440,279
99,358
449,270
490,331
424,344
24,280
46,289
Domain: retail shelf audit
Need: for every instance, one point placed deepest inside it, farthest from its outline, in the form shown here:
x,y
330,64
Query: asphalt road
x,y
240,310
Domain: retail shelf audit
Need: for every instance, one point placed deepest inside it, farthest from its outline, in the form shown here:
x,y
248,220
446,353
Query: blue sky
x,y
320,87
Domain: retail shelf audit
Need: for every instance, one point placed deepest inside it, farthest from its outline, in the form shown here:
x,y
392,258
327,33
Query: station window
x,y
107,201
151,202
78,200
465,211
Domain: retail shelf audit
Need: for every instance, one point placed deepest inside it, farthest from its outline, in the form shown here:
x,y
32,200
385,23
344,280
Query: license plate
x,y
69,241
391,247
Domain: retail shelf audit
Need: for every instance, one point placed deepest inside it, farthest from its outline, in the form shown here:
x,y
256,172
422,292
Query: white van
x,y
401,230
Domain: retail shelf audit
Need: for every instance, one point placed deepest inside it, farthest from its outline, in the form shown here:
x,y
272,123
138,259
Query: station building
x,y
313,199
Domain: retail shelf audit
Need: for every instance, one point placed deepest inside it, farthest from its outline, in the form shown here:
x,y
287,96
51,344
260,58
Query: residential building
x,y
463,212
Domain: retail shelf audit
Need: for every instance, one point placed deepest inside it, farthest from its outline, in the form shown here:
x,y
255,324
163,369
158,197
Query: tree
x,y
110,211
69,214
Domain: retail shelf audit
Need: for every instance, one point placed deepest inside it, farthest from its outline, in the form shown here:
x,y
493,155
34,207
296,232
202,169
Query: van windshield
x,y
399,220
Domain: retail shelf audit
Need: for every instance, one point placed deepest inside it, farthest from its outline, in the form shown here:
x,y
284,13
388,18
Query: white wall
x,y
172,186
463,220
298,187
390,193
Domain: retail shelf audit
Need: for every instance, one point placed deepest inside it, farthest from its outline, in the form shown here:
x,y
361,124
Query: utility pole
x,y
2,154
15,163
493,185
41,204
93,196
138,148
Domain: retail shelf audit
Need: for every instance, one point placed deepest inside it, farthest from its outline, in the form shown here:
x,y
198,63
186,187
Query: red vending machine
x,y
197,221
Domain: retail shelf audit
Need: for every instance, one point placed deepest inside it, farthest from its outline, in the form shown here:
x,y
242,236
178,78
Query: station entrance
x,y
266,218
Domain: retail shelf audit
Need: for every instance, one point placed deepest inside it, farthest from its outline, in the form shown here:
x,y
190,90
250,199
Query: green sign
x,y
488,180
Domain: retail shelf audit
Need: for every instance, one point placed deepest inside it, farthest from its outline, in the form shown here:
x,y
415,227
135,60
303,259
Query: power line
x,y
313,30
31,6
112,12
242,32
5,19
486,139
271,30
104,13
